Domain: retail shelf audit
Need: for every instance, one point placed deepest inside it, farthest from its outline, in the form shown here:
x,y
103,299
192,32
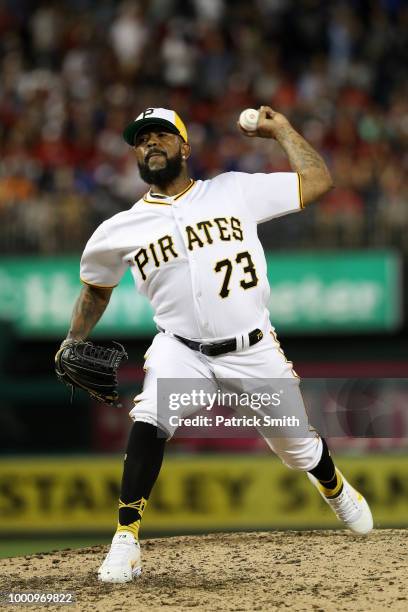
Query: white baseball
x,y
248,119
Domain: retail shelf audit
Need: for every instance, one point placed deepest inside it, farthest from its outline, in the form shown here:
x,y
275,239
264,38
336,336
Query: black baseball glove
x,y
91,367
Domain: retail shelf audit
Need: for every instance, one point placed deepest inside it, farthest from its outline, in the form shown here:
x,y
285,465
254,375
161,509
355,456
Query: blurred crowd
x,y
74,73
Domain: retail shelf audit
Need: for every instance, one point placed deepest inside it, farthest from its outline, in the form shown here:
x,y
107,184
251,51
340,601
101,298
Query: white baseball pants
x,y
169,358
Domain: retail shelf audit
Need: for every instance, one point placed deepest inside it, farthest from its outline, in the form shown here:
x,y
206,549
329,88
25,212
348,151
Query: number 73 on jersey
x,y
244,260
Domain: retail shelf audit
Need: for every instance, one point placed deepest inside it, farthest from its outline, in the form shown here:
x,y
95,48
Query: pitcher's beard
x,y
162,176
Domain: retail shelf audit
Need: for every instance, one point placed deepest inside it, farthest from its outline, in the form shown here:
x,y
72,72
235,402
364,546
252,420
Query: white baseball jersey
x,y
196,255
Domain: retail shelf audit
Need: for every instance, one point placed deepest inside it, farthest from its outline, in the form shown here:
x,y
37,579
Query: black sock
x,y
143,460
326,474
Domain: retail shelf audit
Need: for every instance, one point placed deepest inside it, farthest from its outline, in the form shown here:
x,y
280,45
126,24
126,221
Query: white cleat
x,y
350,507
123,561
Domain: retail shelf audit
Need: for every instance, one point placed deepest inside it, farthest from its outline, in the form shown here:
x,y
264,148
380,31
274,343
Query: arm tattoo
x,y
88,309
301,154
304,160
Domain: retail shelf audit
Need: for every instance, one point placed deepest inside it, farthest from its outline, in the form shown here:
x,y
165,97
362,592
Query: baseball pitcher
x,y
193,250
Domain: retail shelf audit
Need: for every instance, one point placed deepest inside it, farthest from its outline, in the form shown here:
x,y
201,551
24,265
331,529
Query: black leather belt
x,y
218,348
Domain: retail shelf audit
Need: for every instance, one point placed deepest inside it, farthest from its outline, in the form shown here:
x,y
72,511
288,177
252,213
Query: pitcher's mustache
x,y
154,152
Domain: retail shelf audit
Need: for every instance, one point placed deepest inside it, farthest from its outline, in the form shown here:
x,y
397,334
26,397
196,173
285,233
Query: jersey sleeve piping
x,y
95,285
301,204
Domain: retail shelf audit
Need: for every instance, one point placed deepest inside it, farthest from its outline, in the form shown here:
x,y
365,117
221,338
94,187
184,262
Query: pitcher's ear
x,y
185,150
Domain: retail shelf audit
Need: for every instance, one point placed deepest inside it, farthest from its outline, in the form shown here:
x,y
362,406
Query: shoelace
x,y
345,506
116,553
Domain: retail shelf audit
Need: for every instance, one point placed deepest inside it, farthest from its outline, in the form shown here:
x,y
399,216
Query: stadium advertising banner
x,y
193,493
323,292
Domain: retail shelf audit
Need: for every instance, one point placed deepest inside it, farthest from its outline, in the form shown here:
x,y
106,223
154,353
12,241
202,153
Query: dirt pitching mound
x,y
309,570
